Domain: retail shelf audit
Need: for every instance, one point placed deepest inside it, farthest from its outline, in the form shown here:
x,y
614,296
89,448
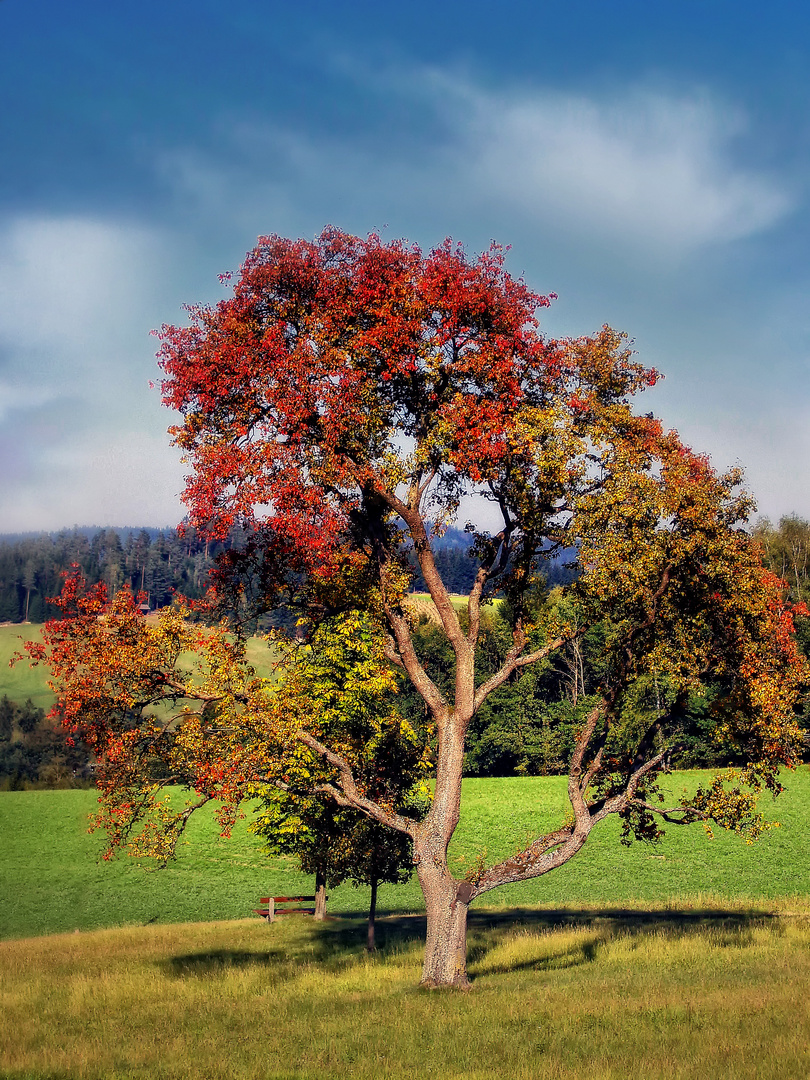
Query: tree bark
x,y
446,901
320,895
372,915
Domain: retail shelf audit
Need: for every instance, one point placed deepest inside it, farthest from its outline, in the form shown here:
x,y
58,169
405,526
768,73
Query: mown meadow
x,y
685,992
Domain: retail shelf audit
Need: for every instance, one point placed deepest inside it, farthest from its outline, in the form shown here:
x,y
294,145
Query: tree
x,y
29,581
787,551
339,405
333,842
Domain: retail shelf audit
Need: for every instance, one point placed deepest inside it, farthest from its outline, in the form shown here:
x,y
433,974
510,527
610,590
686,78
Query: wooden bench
x,y
269,912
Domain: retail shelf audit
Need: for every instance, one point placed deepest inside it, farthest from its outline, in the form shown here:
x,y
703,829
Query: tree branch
x,y
512,662
422,682
350,790
690,814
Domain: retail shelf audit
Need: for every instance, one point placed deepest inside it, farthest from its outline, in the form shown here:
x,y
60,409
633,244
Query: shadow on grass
x,y
217,960
340,942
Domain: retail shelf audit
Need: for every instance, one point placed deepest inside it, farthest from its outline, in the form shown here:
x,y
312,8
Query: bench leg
x,y
271,909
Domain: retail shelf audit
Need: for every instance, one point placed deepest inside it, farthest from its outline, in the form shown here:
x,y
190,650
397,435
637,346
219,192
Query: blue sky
x,y
649,163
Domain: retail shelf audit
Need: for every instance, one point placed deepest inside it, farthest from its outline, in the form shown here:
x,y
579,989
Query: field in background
x,y
22,681
676,994
422,604
51,881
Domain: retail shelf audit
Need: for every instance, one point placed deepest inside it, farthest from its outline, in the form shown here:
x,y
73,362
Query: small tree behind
x,y
332,841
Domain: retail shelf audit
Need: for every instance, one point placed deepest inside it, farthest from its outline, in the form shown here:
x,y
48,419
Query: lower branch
x,y
545,854
689,815
554,849
349,792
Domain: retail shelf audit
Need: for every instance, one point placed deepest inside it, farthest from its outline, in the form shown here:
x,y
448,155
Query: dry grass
x,y
681,992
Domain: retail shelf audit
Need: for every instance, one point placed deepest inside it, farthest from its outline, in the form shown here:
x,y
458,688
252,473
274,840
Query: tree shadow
x,y
339,942
216,961
731,928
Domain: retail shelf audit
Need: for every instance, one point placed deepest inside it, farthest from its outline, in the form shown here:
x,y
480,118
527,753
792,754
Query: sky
x,y
648,163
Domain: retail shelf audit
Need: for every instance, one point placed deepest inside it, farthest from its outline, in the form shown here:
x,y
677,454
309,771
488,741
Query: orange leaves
x,y
160,702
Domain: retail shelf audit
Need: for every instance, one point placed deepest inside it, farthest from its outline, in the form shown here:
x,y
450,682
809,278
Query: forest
x,y
157,562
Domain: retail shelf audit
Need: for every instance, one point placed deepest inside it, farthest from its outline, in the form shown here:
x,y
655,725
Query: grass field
x,y
687,961
51,881
689,993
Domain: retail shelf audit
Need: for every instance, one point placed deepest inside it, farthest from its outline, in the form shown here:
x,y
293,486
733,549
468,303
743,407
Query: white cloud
x,y
606,201
23,398
653,170
93,478
84,438
655,174
70,287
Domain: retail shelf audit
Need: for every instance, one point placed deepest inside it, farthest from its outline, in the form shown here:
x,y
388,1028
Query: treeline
x,y
161,564
34,752
158,563
458,567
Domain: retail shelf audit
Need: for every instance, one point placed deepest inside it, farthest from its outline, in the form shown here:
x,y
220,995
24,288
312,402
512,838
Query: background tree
x,y
332,841
334,844
787,552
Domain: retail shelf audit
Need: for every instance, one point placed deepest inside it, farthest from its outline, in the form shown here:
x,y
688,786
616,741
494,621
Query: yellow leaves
x,y
733,808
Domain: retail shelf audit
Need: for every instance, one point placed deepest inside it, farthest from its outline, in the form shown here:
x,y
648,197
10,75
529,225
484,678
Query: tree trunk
x,y
446,902
320,895
372,914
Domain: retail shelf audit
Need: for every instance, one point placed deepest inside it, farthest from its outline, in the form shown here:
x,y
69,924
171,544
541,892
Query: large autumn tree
x,y
337,407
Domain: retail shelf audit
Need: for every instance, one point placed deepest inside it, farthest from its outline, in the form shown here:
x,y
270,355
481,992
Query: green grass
x,y
51,880
670,964
22,681
677,994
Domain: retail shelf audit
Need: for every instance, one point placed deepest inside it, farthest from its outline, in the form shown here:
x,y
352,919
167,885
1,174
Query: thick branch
x,y
499,557
424,554
576,795
553,850
407,659
392,652
545,854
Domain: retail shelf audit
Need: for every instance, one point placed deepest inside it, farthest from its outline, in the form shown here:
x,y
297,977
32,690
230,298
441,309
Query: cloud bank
x,y
82,439
620,204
